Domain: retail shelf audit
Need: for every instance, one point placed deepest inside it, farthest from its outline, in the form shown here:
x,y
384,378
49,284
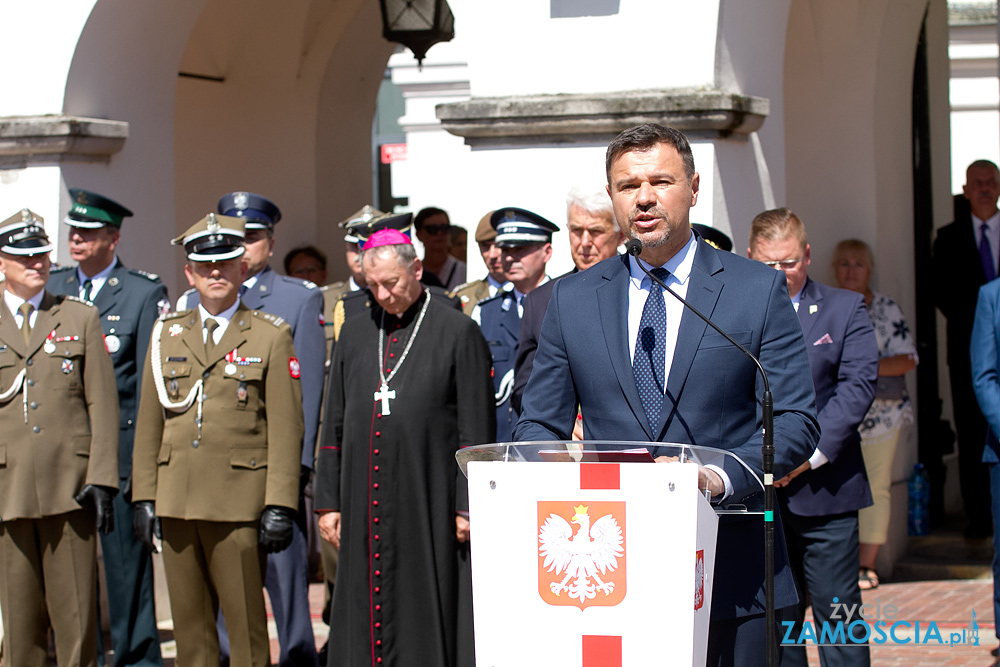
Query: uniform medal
x,y
113,343
49,345
230,369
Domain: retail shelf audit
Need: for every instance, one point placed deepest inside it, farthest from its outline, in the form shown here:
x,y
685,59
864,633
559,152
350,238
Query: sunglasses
x,y
435,230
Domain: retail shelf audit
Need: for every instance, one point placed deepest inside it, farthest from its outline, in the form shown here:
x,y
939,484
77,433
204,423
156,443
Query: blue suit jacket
x,y
713,390
128,305
300,304
985,353
843,355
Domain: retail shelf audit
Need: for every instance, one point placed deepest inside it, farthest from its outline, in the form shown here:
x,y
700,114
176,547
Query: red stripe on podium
x,y
602,651
599,476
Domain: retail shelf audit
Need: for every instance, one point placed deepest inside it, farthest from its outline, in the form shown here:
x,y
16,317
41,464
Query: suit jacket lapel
x,y
254,298
108,295
233,337
194,338
810,305
9,333
702,293
612,303
46,322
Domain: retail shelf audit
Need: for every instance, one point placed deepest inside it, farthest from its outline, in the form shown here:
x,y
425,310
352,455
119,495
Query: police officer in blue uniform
x,y
300,304
524,239
128,301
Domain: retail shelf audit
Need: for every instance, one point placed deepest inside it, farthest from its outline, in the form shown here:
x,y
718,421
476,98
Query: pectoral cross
x,y
384,394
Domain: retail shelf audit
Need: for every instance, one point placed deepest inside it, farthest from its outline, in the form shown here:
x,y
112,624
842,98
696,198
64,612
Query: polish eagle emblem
x,y
582,562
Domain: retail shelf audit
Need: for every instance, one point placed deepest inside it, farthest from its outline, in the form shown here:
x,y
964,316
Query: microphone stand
x,y
634,248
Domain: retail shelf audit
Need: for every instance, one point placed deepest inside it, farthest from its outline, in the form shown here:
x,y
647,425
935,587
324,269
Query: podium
x,y
582,556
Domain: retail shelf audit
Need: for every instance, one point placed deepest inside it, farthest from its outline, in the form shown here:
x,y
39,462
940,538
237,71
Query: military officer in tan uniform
x,y
472,292
217,451
58,455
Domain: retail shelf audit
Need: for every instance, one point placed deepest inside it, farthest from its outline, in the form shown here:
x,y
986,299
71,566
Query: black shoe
x,y
995,652
323,654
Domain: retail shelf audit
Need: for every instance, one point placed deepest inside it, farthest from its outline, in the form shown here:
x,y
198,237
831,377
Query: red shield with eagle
x,y
581,553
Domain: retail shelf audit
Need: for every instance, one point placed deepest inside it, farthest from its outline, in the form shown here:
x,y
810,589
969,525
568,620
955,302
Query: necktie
x,y
88,286
25,310
649,359
986,253
243,290
211,325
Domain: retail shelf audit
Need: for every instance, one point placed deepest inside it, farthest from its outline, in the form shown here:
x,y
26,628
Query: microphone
x,y
634,248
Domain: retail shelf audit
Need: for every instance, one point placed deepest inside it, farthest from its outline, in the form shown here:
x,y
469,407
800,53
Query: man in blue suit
x,y
597,319
300,304
985,356
820,500
128,301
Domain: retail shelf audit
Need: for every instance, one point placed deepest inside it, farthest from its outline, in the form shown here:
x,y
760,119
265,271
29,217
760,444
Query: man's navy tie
x,y
650,351
986,253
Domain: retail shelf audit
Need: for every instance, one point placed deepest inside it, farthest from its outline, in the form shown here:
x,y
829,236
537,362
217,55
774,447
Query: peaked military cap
x,y
24,234
258,211
485,231
518,226
364,214
92,211
714,237
214,238
362,229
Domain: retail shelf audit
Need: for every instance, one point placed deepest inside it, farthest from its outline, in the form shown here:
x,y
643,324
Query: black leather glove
x,y
145,523
276,528
101,499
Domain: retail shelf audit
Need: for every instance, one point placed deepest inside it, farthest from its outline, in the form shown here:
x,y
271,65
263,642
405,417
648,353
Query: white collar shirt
x,y
96,281
14,302
222,318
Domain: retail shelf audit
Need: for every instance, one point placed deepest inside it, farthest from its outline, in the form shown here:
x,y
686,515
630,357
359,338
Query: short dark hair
x,y
420,218
308,251
643,138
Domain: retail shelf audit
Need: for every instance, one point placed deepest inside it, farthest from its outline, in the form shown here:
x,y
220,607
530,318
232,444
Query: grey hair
x,y
405,254
595,202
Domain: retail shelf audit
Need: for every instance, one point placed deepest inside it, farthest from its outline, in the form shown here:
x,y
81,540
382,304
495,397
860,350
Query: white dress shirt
x,y
222,318
14,302
97,281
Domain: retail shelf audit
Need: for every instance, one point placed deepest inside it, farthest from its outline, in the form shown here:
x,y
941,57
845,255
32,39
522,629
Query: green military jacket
x,y
246,451
58,410
471,293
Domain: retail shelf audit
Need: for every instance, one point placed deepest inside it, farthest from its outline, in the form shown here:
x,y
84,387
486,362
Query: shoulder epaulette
x,y
298,281
145,274
273,319
331,286
70,297
174,315
60,269
464,286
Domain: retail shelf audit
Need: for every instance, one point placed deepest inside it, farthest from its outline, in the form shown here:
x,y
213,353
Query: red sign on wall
x,y
393,153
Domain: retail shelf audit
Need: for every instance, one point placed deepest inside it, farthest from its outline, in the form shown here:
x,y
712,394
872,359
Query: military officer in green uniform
x,y
474,291
217,451
58,455
128,302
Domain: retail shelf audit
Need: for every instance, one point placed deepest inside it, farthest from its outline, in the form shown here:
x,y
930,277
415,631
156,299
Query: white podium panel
x,y
590,564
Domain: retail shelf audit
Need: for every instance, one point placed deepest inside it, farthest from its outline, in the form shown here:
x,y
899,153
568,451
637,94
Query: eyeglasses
x,y
783,263
435,230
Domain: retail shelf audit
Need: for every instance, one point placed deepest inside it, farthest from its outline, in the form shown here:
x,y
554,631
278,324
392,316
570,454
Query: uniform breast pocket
x,y
9,368
247,383
119,338
499,351
68,357
177,379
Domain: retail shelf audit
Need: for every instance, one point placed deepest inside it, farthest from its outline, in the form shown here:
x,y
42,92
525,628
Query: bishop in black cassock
x,y
387,470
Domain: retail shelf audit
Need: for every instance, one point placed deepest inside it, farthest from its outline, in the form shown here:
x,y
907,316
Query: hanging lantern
x,y
417,24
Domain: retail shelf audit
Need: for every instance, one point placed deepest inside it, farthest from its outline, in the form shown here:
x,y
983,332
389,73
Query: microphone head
x,y
634,247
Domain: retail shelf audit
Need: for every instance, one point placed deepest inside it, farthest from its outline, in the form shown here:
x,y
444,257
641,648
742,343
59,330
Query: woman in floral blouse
x,y
853,264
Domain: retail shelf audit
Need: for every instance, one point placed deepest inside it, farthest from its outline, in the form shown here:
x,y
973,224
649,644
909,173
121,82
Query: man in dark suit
x,y
593,237
128,302
300,304
820,500
597,318
965,257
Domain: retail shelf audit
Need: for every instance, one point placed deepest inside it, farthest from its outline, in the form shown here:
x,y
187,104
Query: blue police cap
x,y
257,211
518,227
